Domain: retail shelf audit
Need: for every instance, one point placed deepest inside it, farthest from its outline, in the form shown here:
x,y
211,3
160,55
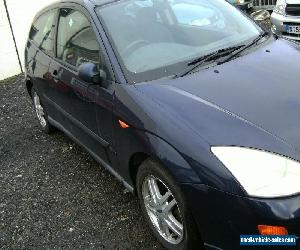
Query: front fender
x,y
170,158
132,142
157,131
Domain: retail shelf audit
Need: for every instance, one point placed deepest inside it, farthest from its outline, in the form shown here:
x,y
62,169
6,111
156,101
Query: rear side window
x,y
76,40
43,30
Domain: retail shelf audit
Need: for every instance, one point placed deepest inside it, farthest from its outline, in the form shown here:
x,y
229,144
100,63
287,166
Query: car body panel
x,y
252,87
239,215
222,95
280,21
128,107
292,1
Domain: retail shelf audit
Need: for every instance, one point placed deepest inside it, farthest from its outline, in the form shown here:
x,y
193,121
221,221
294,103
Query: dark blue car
x,y
190,104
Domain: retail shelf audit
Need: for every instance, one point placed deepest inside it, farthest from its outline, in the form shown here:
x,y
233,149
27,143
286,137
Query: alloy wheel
x,y
39,110
162,209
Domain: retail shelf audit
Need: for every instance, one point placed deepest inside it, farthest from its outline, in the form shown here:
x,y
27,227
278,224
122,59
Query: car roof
x,y
85,3
100,2
57,4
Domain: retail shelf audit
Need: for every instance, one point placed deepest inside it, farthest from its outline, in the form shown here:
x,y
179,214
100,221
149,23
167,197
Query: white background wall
x,y
21,14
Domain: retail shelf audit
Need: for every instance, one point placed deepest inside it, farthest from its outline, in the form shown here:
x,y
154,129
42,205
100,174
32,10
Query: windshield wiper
x,y
208,58
254,42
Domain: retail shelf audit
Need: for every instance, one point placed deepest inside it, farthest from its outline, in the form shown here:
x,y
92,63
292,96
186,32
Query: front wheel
x,y
165,208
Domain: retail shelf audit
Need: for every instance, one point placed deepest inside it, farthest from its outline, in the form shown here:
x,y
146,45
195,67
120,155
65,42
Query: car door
x,y
39,48
82,107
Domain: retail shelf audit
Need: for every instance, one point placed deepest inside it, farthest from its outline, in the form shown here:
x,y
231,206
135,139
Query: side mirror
x,y
90,73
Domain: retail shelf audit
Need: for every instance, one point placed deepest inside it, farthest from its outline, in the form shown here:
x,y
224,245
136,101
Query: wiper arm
x,y
254,42
208,58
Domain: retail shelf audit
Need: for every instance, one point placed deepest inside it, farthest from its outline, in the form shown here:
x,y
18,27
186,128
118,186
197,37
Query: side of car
x,y
64,37
60,40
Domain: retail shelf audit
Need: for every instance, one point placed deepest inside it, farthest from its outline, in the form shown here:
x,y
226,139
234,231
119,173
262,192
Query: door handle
x,y
55,75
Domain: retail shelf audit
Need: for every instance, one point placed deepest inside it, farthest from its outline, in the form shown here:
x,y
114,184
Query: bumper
x,y
223,217
279,22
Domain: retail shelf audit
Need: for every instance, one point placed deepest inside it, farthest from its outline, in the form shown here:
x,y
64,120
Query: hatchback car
x,y
286,19
199,118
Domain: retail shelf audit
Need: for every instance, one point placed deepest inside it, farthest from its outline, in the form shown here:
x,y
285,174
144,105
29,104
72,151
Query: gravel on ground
x,y
53,194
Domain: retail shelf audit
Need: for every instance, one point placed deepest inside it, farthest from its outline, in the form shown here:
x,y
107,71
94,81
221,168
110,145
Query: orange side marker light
x,y
272,230
123,124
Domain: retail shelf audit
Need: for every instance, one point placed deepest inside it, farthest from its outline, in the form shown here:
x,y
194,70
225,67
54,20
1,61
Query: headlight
x,y
261,174
280,7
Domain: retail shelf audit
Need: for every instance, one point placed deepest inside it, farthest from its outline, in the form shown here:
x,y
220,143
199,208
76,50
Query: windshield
x,y
156,38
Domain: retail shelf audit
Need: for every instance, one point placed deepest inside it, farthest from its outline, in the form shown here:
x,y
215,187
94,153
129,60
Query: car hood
x,y
251,101
293,1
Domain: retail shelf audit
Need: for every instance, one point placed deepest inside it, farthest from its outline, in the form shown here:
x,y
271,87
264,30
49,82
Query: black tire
x,y
191,238
46,126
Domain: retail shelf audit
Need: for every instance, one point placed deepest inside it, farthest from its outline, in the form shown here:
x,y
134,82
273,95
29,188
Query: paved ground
x,y
53,194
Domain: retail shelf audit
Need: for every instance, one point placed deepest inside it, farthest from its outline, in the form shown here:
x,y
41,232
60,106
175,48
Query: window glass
x,y
76,41
42,31
157,38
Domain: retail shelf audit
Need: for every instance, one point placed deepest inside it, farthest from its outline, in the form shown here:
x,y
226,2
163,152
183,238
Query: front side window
x,y
43,29
156,38
76,40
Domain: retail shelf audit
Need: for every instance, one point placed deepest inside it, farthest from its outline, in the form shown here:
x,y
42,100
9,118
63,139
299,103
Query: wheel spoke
x,y
154,191
40,110
164,198
149,203
169,206
166,229
174,225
